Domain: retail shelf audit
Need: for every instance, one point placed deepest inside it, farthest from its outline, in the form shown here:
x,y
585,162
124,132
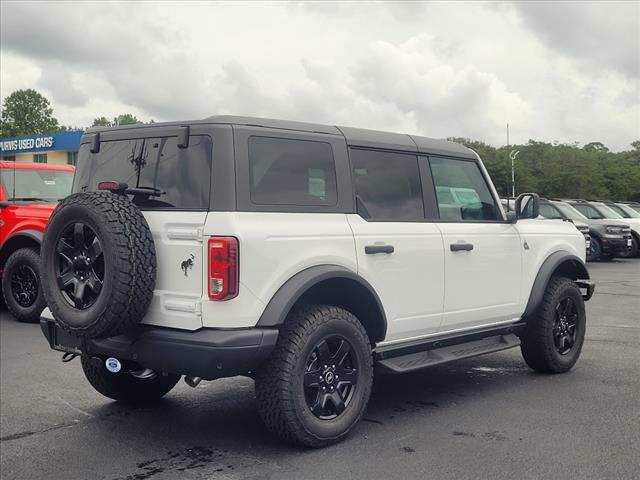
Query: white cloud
x,y
437,69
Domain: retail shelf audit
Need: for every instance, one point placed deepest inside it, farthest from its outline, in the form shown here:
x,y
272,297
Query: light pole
x,y
512,155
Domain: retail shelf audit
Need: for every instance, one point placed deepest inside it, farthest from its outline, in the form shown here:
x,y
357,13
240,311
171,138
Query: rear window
x,y
291,172
36,185
175,177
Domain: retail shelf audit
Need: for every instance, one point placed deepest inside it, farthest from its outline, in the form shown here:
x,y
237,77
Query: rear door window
x,y
388,185
174,177
286,171
462,192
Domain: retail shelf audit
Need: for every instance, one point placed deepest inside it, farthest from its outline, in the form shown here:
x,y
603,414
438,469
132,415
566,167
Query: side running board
x,y
435,356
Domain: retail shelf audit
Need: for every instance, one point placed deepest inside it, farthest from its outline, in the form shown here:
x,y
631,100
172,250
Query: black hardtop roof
x,y
355,137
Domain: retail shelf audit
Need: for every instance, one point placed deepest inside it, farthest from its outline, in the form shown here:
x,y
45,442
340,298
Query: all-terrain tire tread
x,y
274,379
134,263
537,347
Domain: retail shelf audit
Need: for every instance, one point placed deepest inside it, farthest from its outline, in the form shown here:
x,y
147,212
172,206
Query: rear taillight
x,y
223,268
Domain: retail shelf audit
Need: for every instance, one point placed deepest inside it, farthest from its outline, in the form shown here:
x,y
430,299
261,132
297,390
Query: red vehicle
x,y
28,194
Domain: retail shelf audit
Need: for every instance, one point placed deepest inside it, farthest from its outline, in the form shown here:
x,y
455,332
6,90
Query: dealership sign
x,y
38,143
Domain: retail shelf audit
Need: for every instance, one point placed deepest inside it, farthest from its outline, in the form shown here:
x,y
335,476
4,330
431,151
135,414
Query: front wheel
x,y
21,285
635,248
595,250
554,335
124,387
315,386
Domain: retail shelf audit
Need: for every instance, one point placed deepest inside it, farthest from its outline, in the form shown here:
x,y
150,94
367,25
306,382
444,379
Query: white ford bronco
x,y
304,256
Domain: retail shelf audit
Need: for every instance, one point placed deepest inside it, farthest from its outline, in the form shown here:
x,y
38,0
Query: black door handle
x,y
371,249
458,247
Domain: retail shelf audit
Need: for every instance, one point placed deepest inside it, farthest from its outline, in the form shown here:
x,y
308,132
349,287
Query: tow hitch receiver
x,y
68,356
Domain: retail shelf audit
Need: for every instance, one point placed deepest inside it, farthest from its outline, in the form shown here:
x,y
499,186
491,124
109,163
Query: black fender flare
x,y
290,292
36,235
552,263
14,241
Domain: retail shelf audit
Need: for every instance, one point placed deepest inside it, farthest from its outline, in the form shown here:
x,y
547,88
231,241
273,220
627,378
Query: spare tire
x,y
98,264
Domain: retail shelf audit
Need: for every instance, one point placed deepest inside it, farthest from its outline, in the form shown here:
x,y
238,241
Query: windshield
x,y
606,211
549,211
626,210
36,185
569,211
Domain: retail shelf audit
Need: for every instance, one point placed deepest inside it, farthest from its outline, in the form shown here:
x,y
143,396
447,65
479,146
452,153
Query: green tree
x,y
124,119
563,170
595,147
27,112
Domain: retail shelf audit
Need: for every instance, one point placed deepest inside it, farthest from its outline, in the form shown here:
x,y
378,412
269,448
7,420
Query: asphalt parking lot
x,y
487,417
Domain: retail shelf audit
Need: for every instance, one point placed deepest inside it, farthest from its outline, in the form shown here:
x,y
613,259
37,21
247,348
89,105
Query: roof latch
x,y
183,137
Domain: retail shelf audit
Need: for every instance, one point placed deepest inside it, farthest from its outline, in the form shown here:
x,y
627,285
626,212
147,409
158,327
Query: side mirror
x,y
528,205
512,217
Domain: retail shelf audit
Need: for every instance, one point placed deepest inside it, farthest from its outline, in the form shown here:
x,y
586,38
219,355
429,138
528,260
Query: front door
x,y
482,253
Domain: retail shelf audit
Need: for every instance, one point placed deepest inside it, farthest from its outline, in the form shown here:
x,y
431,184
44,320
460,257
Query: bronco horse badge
x,y
187,264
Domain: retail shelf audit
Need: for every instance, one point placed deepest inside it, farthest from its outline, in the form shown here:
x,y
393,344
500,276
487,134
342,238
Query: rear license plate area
x,y
62,341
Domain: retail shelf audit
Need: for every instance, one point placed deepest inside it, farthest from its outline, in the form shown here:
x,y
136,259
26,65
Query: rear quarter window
x,y
180,178
291,172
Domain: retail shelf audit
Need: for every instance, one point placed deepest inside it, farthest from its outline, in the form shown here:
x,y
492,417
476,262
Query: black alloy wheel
x,y
330,377
24,285
80,268
564,328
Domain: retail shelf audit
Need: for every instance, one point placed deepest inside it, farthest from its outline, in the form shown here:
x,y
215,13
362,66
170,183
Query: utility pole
x,y
512,155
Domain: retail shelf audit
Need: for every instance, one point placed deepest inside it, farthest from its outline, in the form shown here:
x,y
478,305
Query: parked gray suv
x,y
610,238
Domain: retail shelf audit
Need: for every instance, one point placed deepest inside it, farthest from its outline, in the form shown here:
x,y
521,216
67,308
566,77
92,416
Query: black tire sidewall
x,y
75,319
336,427
30,258
123,386
571,291
595,255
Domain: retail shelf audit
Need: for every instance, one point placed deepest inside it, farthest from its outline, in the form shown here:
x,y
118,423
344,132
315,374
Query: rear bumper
x,y
208,353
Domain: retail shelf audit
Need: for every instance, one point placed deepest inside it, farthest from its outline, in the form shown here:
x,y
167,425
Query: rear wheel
x,y
125,387
316,384
21,286
554,336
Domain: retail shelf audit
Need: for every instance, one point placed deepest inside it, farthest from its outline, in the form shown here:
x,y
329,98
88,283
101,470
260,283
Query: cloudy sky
x,y
555,71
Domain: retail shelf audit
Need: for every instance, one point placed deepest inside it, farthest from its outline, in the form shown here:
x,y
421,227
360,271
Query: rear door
x,y
482,253
179,185
399,253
